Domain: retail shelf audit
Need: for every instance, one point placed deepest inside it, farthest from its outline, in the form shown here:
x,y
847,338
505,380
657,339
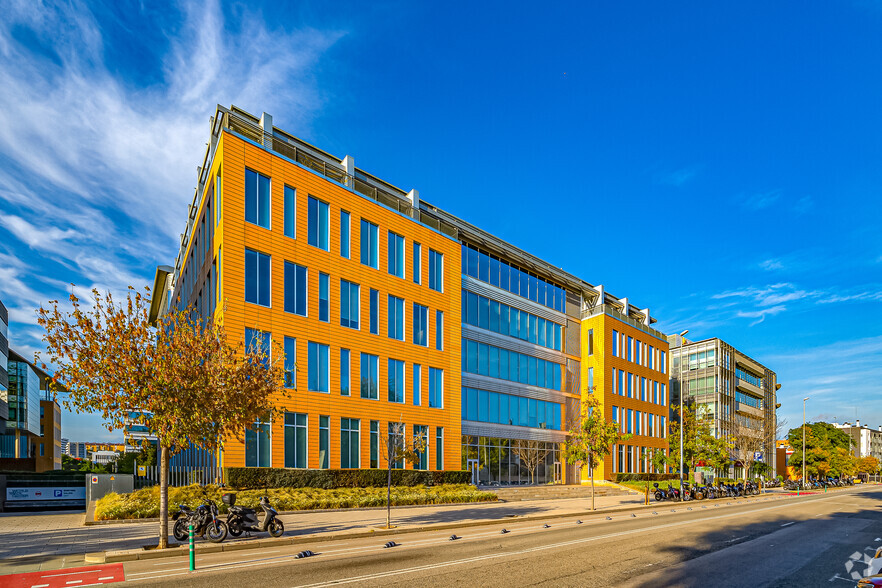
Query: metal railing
x,y
180,476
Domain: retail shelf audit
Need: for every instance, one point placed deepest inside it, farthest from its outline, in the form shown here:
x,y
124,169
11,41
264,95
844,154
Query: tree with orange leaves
x,y
197,388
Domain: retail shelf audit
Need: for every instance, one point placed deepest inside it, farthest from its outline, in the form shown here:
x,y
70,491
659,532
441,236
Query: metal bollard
x,y
647,493
192,550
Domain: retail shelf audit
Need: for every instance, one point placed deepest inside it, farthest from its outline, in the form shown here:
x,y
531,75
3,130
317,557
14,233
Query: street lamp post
x,y
681,413
803,442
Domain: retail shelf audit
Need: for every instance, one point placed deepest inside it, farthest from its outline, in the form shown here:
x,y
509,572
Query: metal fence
x,y
179,476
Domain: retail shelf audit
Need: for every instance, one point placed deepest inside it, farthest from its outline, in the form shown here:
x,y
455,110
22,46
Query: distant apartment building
x,y
783,452
33,429
390,309
865,441
4,374
732,389
75,449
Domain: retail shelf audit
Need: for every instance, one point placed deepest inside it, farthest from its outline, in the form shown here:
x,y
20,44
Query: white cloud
x,y
760,315
679,177
760,200
772,264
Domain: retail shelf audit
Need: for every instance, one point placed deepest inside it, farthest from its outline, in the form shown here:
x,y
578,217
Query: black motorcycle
x,y
244,520
204,519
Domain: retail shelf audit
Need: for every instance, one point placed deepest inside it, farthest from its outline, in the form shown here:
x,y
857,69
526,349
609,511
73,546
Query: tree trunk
x,y
163,499
592,487
389,497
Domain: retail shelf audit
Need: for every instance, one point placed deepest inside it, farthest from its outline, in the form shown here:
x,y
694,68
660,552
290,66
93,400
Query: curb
x,y
183,550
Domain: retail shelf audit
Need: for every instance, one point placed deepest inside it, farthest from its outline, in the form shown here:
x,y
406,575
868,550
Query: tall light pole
x,y
803,442
681,412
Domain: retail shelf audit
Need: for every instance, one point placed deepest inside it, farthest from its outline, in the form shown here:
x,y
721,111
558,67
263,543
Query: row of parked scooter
x,y
815,483
711,491
207,523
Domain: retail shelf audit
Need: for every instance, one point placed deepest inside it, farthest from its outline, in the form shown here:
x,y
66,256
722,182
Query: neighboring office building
x,y
99,446
730,385
4,374
48,451
784,451
866,442
626,360
393,309
103,457
76,449
135,433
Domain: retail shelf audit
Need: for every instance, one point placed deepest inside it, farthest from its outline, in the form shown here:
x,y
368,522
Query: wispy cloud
x,y
678,177
97,169
760,315
760,200
772,264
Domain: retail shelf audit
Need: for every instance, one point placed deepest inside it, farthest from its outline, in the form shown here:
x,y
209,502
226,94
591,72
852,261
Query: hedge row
x,y
646,477
246,478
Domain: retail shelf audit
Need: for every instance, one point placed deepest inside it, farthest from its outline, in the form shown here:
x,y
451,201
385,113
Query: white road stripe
x,y
788,524
105,578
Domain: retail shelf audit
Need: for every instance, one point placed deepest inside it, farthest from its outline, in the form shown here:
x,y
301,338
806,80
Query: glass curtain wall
x,y
499,464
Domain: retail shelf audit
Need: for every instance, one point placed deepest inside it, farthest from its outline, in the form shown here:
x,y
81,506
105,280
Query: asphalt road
x,y
817,540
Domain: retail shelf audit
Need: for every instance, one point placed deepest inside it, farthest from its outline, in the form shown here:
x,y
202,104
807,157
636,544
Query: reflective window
x,y
396,380
350,453
396,254
345,371
375,312
290,362
349,304
436,388
375,444
615,343
324,301
370,376
421,433
295,288
257,277
319,365
344,234
258,446
295,440
317,229
500,318
417,384
290,211
258,342
417,263
257,198
507,409
420,325
436,270
369,244
439,330
324,442
396,318
482,359
439,448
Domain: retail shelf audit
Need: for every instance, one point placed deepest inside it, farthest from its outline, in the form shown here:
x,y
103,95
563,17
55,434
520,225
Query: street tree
x,y
397,450
868,465
187,383
530,454
822,440
748,441
699,442
590,438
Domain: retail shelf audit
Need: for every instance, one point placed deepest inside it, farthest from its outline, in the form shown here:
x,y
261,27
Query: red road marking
x,y
65,578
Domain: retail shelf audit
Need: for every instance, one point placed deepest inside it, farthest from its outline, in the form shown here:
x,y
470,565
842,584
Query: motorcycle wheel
x,y
699,496
276,528
180,531
216,532
235,529
658,497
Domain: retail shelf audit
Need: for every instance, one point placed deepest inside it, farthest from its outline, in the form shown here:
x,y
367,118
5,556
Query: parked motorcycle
x,y
204,519
245,520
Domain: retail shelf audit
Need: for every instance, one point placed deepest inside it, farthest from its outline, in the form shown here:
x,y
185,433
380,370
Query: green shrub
x,y
144,503
645,477
247,478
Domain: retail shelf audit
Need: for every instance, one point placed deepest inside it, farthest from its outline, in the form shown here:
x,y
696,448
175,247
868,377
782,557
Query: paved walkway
x,y
36,541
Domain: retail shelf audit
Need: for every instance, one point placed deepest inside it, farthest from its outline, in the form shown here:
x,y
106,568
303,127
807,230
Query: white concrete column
x,y
266,123
349,167
414,197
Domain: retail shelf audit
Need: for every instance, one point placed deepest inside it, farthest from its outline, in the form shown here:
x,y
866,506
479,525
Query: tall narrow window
x,y
396,437
317,221
295,440
369,244
290,362
420,325
290,211
417,384
421,435
257,198
324,301
375,312
324,442
295,288
350,301
344,234
396,318
370,377
318,375
630,350
258,342
375,444
439,330
349,446
396,254
345,371
396,380
436,388
436,271
591,378
439,448
417,263
615,343
590,341
258,446
218,196
257,277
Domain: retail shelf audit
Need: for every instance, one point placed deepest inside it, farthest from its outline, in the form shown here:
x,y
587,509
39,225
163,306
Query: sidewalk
x,y
34,542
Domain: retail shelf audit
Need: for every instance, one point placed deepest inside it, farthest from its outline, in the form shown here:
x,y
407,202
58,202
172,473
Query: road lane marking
x,y
105,578
788,524
390,573
736,539
40,586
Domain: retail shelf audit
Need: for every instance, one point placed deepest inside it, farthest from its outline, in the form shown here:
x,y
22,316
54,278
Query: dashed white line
x,y
40,586
105,578
788,524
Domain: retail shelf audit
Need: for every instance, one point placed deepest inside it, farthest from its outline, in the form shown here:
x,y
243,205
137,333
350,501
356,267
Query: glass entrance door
x,y
473,468
557,473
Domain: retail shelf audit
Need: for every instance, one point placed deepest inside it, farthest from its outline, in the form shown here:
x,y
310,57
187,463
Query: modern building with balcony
x,y
865,441
4,374
727,386
388,309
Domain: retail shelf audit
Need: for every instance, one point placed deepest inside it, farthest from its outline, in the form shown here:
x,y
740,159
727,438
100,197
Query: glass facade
x,y
506,409
501,274
484,313
488,360
505,462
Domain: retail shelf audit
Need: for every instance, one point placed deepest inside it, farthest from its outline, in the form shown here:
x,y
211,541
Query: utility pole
x,y
681,412
803,442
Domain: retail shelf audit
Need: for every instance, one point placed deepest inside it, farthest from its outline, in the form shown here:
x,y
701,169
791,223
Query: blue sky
x,y
718,164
